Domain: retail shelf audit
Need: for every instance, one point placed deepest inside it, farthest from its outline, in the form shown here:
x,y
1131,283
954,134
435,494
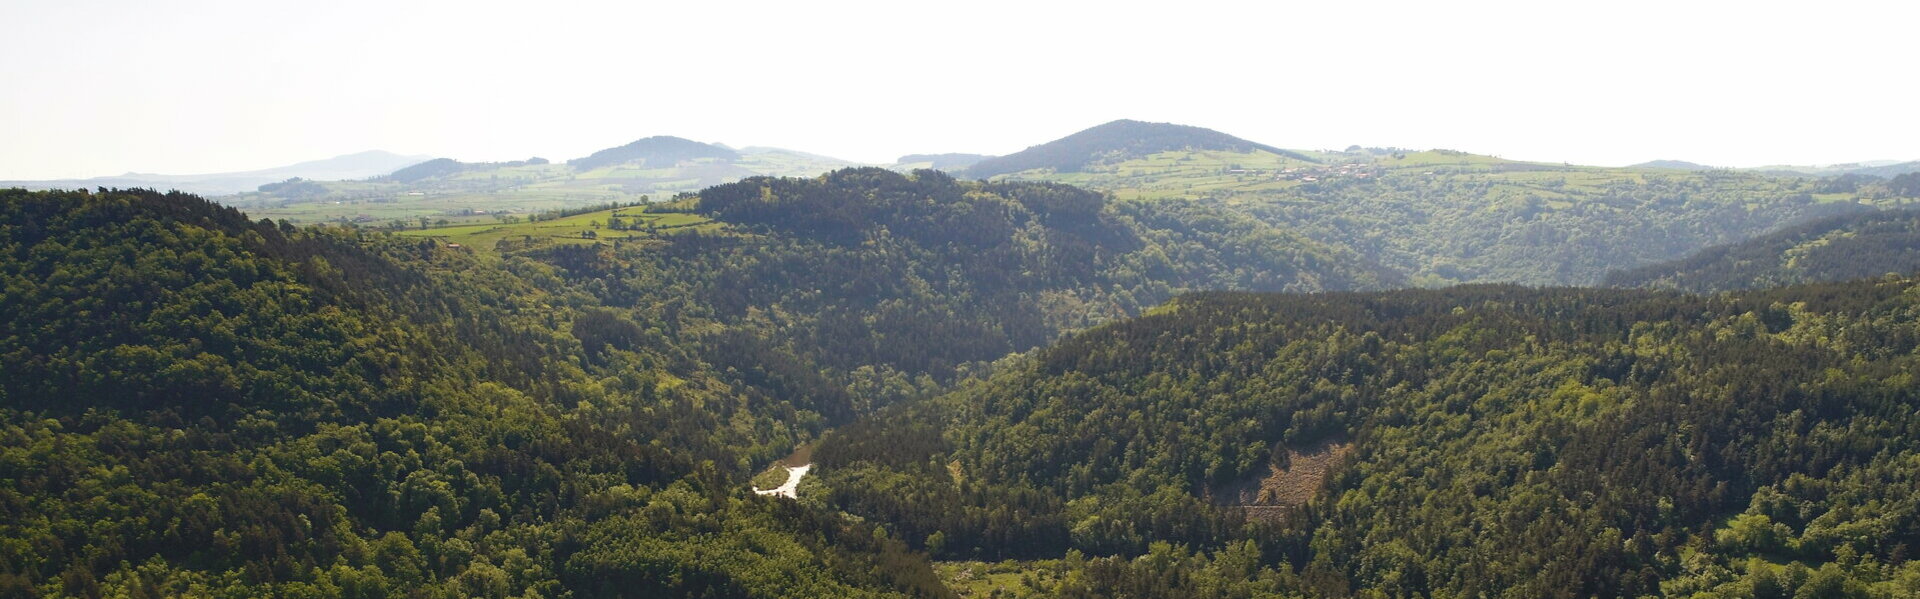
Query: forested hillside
x,y
901,276
1444,217
788,300
1494,441
196,404
1831,249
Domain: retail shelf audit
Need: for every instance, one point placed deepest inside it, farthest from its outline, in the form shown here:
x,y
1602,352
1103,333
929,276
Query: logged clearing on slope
x,y
1289,485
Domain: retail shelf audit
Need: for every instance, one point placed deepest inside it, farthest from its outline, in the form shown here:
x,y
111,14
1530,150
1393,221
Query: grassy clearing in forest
x,y
773,477
1008,579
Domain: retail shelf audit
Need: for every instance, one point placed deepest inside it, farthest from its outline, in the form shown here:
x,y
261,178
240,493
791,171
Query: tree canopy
x,y
1504,441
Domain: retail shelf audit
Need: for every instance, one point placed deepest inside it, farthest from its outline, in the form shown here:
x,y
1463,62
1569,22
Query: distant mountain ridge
x,y
951,160
1118,139
442,167
360,165
1674,164
1888,170
448,189
656,151
1885,169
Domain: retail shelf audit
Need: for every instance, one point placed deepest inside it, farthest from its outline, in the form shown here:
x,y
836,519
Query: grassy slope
x,y
1000,579
1201,174
1179,174
772,477
482,237
1258,175
527,189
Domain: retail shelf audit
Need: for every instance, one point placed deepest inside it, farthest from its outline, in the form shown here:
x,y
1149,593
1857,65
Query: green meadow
x,y
484,194
586,229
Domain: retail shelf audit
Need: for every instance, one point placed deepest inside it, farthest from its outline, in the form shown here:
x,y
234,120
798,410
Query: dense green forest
x,y
1521,223
1504,441
196,404
900,281
1444,217
1830,249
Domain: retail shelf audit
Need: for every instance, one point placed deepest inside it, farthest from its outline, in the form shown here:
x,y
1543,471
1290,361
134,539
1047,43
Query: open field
x,y
476,196
571,229
1009,578
1201,174
454,206
1181,174
1263,177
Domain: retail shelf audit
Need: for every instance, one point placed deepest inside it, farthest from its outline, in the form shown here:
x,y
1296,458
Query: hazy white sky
x,y
97,87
